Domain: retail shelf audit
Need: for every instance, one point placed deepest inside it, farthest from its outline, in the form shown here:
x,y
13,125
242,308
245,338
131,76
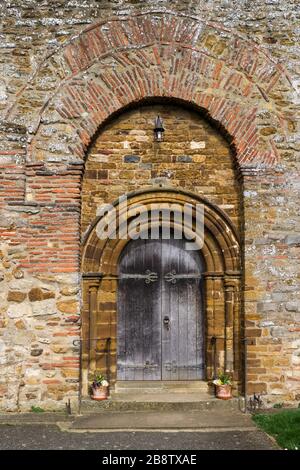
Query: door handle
x,y
166,322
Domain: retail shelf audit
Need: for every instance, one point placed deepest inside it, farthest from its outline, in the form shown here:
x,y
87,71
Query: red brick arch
x,y
123,60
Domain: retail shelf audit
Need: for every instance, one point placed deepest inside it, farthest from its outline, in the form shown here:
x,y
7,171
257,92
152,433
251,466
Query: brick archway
x,y
221,254
122,60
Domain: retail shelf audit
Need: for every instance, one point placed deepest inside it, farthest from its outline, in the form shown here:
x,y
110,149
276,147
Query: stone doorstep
x,y
162,397
66,426
159,396
161,391
159,402
160,386
144,420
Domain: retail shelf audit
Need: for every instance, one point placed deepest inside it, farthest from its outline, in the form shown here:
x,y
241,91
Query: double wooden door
x,y
160,312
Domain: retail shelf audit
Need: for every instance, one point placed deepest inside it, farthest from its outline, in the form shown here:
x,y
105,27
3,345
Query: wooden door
x,y
160,320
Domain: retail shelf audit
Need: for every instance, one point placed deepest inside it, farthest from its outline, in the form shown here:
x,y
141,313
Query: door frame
x,y
222,280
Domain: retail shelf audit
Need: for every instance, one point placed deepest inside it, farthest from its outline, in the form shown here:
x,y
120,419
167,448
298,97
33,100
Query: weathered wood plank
x,y
139,314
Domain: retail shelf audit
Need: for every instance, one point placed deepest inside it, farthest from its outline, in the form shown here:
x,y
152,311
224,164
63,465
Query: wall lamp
x,y
158,130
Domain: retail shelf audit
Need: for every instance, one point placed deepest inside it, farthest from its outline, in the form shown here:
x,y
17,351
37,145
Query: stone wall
x,y
39,281
33,29
193,156
237,61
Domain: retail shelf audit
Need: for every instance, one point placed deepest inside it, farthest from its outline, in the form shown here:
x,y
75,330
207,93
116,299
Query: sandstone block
x,y
3,322
20,324
69,290
59,348
37,294
199,158
6,264
70,373
16,296
67,306
32,376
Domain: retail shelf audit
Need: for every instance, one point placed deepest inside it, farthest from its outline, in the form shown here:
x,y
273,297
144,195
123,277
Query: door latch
x,y
166,322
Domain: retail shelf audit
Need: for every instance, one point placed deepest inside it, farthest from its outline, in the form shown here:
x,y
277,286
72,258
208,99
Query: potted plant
x,y
223,386
99,387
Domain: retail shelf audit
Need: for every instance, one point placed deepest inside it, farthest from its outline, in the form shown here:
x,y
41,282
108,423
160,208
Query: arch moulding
x,y
123,60
221,280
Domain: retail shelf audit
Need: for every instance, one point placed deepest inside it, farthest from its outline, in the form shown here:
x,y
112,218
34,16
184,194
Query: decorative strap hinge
x,y
149,276
173,277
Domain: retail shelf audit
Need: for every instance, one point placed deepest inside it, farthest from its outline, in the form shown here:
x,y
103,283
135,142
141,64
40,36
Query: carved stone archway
x,y
221,252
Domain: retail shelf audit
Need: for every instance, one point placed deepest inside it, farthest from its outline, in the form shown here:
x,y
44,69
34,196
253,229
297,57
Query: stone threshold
x,y
162,419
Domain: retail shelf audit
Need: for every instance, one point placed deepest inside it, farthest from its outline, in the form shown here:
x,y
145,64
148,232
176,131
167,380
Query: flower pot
x,y
100,393
223,392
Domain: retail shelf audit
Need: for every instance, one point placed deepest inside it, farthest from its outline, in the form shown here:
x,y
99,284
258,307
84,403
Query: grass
x,y
37,409
284,426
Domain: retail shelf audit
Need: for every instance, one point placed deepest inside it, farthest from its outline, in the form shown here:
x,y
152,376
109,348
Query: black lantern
x,y
158,130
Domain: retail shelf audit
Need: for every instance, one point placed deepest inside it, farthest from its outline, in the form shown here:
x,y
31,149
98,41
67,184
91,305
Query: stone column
x,y
230,287
89,328
107,326
214,300
209,312
93,291
237,334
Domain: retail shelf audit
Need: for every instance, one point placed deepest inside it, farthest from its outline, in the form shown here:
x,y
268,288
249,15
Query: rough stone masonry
x,y
225,73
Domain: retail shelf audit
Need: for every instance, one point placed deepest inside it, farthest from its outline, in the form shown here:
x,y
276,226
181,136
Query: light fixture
x,y
158,130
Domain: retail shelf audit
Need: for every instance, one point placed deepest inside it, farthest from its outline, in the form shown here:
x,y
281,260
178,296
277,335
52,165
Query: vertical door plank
x,y
181,301
183,333
195,315
175,308
151,313
138,314
169,310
